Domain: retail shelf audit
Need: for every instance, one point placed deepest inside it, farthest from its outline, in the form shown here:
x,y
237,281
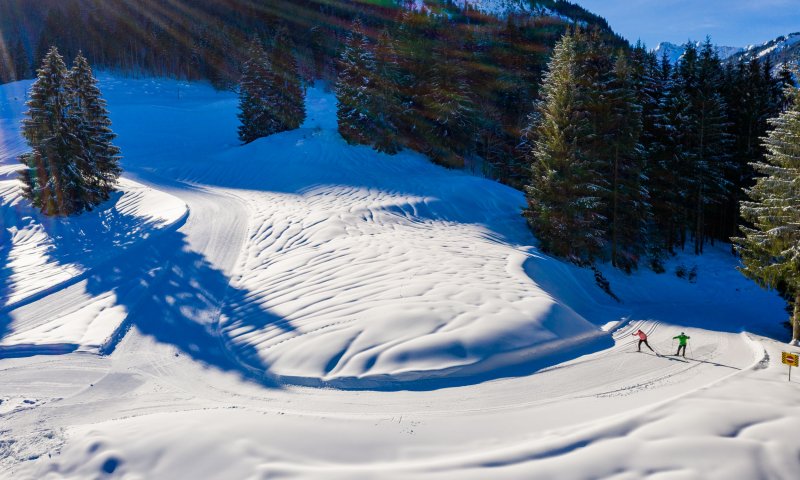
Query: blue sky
x,y
729,22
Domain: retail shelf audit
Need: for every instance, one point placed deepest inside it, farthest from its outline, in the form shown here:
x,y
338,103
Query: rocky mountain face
x,y
675,52
782,51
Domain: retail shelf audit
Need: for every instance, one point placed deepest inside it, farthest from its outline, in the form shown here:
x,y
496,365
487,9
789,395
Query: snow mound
x,y
380,268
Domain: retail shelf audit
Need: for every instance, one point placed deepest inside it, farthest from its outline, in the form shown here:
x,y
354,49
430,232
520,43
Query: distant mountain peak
x,y
675,52
783,50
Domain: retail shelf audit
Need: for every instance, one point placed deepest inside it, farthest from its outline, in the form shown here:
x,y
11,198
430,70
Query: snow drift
x,y
356,266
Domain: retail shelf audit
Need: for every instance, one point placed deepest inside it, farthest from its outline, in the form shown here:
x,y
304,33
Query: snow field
x,y
511,364
70,258
392,278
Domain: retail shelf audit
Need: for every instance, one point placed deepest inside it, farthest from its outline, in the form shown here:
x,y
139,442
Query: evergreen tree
x,y
595,67
387,102
357,70
22,64
98,162
706,142
563,202
628,205
256,97
770,248
660,141
51,179
447,100
287,87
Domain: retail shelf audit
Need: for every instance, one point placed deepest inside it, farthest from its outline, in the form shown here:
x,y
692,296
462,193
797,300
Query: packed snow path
x,y
183,392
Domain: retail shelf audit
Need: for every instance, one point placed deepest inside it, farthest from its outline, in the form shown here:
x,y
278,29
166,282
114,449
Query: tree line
x,y
632,158
450,58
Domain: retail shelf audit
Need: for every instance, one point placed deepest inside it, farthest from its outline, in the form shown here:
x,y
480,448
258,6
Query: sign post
x,y
791,359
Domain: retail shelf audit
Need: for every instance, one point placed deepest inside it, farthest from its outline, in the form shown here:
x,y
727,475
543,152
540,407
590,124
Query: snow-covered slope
x,y
784,50
357,265
495,7
502,8
307,260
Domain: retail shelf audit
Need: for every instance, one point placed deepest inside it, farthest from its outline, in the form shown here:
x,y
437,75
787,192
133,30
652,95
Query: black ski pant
x,y
679,350
648,345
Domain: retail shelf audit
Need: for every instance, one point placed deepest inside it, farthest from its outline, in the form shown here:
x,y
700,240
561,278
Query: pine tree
x,y
770,248
653,83
629,208
22,64
99,160
387,102
356,71
447,100
706,143
51,179
256,99
564,207
676,163
287,87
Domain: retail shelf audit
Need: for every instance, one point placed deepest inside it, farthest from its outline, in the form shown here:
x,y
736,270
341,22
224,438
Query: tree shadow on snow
x,y
170,292
175,296
5,274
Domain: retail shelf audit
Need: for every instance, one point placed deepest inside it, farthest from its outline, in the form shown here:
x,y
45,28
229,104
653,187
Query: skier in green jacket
x,y
682,338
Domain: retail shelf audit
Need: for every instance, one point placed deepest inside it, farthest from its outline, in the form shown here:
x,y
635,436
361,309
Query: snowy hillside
x,y
358,265
501,8
784,50
235,273
495,7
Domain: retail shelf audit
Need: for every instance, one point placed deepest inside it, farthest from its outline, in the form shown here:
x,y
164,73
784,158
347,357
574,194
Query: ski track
x,y
272,252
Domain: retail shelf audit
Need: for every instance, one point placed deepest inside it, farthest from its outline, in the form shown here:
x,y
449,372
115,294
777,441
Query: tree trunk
x,y
796,321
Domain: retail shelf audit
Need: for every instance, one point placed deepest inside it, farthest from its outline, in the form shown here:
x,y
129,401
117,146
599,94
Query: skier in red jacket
x,y
643,339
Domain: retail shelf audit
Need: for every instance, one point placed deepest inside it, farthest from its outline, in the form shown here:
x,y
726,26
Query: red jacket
x,y
641,334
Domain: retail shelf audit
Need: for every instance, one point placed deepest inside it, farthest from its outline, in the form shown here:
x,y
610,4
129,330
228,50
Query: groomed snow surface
x,y
184,328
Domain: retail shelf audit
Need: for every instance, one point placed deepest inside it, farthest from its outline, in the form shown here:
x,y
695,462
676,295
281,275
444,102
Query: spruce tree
x,y
22,64
677,164
654,85
770,247
563,202
257,101
447,100
99,160
628,205
50,179
387,101
287,87
706,143
356,72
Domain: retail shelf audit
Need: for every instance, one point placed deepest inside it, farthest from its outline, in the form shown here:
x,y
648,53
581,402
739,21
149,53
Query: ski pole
x,y
690,351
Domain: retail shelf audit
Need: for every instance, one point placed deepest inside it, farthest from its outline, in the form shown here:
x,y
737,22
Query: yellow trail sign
x,y
791,359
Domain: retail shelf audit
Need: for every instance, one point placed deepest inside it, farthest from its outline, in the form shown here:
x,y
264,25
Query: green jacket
x,y
682,339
